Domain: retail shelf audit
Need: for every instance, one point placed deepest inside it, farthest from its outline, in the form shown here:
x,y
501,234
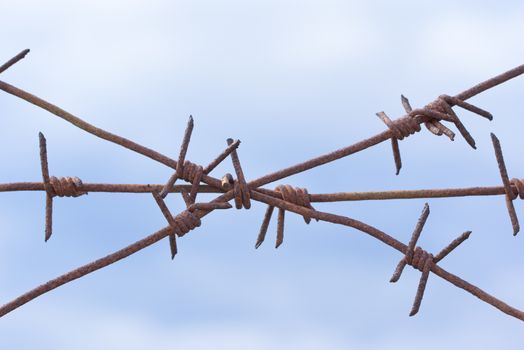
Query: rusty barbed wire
x,y
283,197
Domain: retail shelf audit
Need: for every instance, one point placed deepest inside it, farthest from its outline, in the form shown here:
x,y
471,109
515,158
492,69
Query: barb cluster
x,y
284,197
432,116
421,259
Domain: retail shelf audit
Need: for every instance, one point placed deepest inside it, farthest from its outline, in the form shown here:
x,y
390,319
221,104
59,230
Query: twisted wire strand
x,y
187,222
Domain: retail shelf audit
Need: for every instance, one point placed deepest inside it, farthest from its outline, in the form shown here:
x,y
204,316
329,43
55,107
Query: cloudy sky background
x,y
291,80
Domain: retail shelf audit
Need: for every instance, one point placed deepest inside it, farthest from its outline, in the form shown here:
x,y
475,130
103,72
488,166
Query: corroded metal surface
x,y
284,197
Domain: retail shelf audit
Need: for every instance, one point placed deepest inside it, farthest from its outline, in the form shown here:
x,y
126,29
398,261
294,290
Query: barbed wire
x,y
284,197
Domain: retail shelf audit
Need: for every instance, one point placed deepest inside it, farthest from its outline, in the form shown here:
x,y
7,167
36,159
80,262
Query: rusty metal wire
x,y
284,197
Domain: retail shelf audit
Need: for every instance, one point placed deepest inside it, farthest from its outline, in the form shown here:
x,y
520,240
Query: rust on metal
x,y
285,198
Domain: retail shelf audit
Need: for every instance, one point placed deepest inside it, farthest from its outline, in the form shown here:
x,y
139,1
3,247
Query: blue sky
x,y
291,80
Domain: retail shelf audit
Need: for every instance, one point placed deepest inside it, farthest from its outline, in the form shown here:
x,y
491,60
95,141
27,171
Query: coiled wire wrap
x,y
68,186
295,195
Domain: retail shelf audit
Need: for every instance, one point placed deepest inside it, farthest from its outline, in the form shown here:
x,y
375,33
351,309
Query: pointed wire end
x,y
425,211
21,55
398,171
394,278
173,256
278,244
190,121
236,143
470,140
466,234
405,103
516,229
258,244
494,139
47,236
230,141
413,312
41,137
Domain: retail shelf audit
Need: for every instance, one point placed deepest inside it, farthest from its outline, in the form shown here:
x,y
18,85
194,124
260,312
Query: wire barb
x,y
61,187
431,115
295,195
284,197
264,226
181,158
510,195
13,60
170,220
400,128
433,125
422,260
215,162
241,189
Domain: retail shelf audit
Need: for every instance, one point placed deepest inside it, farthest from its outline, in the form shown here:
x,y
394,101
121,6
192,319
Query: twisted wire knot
x,y
437,105
518,185
242,194
441,109
402,127
55,186
65,186
431,115
190,172
296,195
185,222
180,224
420,259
